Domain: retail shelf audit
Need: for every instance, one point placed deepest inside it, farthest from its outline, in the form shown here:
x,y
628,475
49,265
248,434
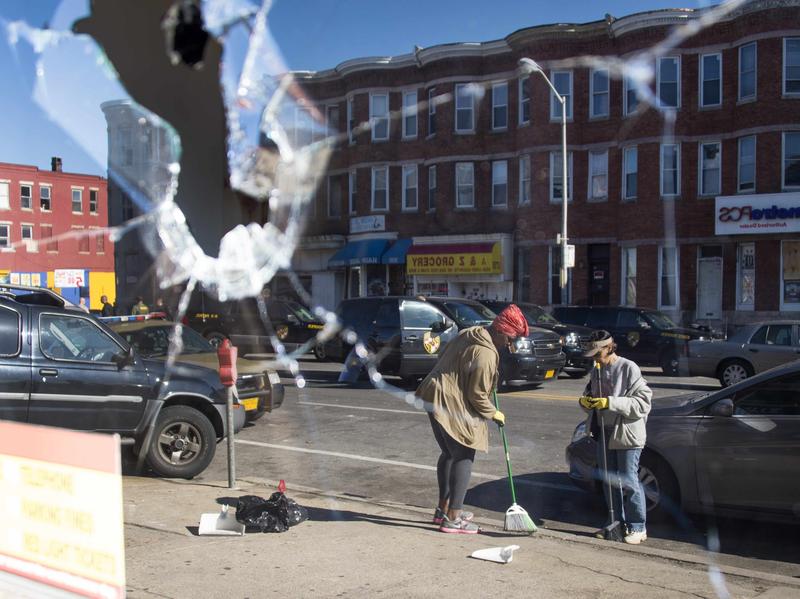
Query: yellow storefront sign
x,y
487,262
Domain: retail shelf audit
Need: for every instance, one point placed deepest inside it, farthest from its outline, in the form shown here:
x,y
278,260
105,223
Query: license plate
x,y
549,374
250,404
274,378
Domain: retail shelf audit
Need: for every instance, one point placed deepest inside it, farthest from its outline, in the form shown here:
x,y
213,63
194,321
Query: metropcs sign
x,y
757,214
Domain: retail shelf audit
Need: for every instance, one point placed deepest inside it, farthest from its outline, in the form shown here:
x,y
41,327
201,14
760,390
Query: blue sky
x,y
312,35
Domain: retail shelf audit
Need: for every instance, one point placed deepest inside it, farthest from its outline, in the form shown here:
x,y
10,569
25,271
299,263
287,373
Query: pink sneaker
x,y
459,526
439,516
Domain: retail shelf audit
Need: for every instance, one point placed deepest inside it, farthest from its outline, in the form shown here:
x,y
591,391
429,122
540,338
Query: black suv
x,y
536,358
59,366
406,334
576,338
648,337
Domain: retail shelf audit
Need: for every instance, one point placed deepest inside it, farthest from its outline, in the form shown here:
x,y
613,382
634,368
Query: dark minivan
x,y
406,334
648,337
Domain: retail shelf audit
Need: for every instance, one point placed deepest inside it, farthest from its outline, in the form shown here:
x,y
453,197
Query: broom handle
x,y
505,448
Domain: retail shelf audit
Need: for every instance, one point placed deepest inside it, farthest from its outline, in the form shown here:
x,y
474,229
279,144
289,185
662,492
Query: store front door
x,y
709,288
598,254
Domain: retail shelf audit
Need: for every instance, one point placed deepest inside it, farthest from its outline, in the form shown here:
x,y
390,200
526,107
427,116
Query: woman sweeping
x,y
458,398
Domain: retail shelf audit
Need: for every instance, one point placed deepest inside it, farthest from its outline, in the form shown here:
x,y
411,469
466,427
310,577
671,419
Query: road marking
x,y
333,405
364,458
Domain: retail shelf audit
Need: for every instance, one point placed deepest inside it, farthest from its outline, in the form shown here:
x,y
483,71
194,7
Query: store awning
x,y
455,258
363,251
397,253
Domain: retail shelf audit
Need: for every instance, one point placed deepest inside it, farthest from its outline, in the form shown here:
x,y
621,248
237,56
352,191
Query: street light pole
x,y
528,66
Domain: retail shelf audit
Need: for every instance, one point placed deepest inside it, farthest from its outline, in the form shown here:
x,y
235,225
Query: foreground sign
x,y
61,503
758,213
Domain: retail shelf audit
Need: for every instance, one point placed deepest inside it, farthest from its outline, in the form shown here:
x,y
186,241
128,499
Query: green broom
x,y
517,519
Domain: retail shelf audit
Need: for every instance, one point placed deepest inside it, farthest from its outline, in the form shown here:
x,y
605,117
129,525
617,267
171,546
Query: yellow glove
x,y
586,401
499,418
599,403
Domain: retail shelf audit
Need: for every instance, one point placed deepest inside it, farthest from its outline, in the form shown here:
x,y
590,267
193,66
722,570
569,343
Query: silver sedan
x,y
753,349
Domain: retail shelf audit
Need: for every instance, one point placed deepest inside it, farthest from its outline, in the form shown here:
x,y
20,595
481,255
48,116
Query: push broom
x,y
517,519
613,530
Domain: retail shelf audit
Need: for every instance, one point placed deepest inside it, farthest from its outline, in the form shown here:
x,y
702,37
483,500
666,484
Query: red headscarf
x,y
511,322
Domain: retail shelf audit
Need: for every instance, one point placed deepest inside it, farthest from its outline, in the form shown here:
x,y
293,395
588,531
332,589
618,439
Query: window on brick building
x,y
380,188
668,277
432,187
77,200
628,293
334,197
710,80
100,244
351,119
524,100
93,201
5,235
499,183
379,116
465,108
432,111
25,197
556,179
747,72
598,175
124,146
747,164
791,160
410,114
5,202
465,185
630,96
746,276
522,288
44,198
630,173
710,168
791,65
670,170
27,238
83,242
500,106
599,93
524,180
351,191
332,115
410,196
554,279
46,235
562,81
669,82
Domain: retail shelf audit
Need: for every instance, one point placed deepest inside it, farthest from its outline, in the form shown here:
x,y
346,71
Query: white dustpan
x,y
501,555
223,523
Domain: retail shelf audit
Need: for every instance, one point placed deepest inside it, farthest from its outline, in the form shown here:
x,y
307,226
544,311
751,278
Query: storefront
x,y
310,264
472,266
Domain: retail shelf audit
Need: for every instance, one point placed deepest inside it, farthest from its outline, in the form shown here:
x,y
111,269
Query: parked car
x,y
259,387
752,349
536,358
406,334
240,321
576,338
736,450
59,366
648,337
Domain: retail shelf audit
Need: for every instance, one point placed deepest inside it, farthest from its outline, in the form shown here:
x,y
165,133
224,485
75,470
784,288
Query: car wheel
x,y
320,353
215,338
183,444
662,495
733,371
669,364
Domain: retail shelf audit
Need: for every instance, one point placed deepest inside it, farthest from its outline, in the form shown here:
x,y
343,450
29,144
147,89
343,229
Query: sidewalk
x,y
353,548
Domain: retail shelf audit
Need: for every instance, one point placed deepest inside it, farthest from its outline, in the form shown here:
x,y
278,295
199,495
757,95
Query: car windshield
x,y
661,320
536,315
469,315
153,342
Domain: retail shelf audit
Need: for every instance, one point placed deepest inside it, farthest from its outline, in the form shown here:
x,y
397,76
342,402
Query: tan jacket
x,y
460,387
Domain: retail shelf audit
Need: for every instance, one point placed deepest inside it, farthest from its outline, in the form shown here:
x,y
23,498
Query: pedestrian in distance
x,y
140,307
162,307
82,304
618,399
107,309
457,395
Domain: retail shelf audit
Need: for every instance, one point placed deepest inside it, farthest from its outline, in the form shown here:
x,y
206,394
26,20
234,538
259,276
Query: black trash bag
x,y
275,514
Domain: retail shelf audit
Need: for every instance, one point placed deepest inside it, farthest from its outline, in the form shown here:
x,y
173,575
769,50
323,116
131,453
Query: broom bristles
x,y
518,520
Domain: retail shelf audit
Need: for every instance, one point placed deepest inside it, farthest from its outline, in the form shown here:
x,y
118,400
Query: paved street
x,y
368,444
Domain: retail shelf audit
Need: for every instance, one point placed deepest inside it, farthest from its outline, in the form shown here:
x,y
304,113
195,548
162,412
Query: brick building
x,y
456,186
38,212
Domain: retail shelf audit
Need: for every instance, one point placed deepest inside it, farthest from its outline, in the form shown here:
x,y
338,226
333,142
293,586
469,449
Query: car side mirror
x,y
644,326
292,319
124,359
724,408
438,327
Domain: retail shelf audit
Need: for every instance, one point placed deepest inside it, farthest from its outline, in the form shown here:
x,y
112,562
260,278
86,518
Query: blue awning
x,y
363,251
397,253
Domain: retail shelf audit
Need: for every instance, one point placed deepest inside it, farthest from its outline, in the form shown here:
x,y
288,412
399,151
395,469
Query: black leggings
x,y
453,468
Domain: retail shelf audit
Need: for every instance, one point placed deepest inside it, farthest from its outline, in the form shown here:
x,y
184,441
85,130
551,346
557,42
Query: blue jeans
x,y
627,493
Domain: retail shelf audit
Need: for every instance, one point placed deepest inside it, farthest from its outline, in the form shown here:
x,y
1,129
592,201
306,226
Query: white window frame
x,y
29,243
523,102
496,106
593,92
661,249
555,158
524,197
376,119
659,61
30,187
627,88
701,168
375,171
742,98
432,183
350,107
6,184
410,102
499,180
556,249
49,189
677,193
594,157
470,108
334,183
786,41
7,237
352,180
702,92
410,170
72,199
555,105
470,185
626,197
625,275
739,164
784,186
431,111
